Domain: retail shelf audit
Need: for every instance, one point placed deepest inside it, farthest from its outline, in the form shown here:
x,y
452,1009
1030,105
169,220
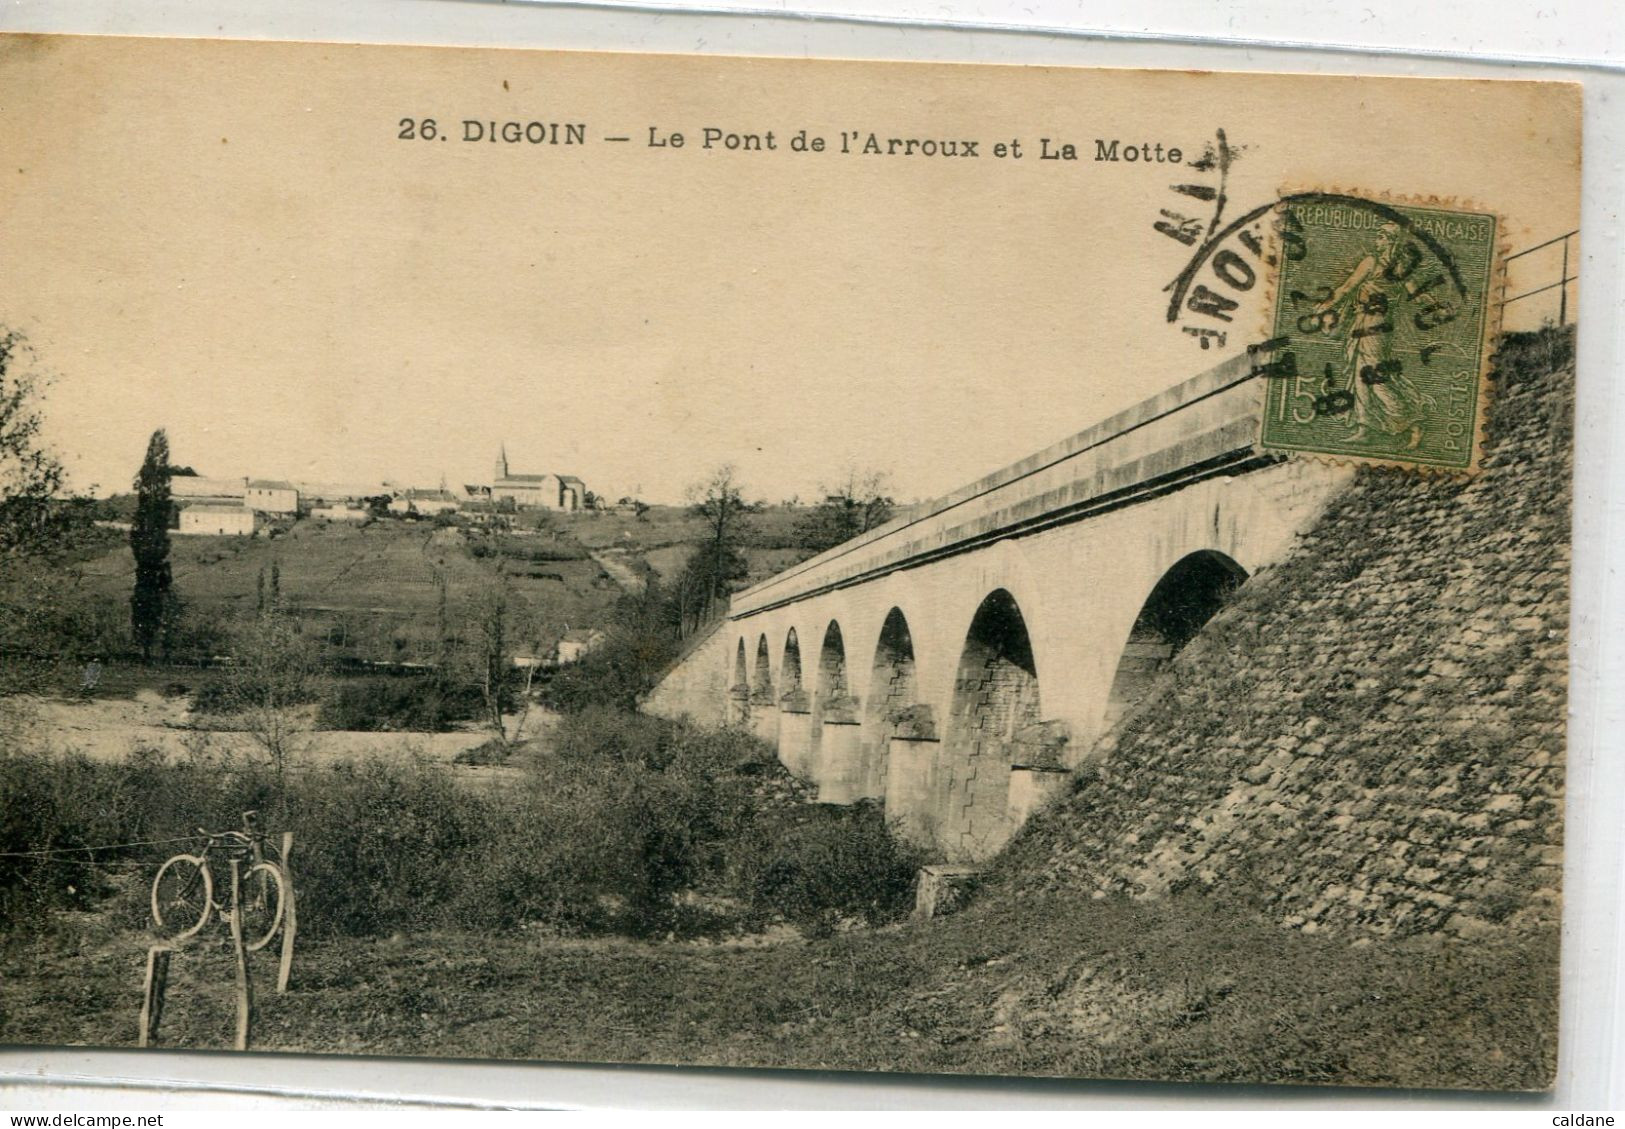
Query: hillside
x,y
373,587
372,590
665,536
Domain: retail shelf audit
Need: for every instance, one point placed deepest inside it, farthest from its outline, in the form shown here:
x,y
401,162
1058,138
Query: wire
x,y
104,847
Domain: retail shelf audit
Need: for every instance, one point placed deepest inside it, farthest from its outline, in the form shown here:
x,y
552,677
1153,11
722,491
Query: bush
x,y
214,695
524,553
397,704
384,847
223,696
816,865
600,734
494,751
68,817
629,817
615,675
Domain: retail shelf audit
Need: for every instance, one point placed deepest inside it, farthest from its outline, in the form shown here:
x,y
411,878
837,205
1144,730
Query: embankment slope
x,y
1370,736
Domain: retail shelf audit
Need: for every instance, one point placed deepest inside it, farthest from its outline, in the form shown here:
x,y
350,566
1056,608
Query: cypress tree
x,y
149,542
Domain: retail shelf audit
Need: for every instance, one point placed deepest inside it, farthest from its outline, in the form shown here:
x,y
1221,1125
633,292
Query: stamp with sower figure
x,y
1381,327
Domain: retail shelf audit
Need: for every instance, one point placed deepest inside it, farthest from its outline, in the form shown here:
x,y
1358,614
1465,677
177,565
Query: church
x,y
563,492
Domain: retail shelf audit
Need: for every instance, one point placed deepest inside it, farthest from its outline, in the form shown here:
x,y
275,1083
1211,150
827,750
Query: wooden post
x,y
245,990
290,914
152,995
1563,287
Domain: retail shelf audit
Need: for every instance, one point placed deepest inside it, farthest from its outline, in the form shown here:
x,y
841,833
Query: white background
x,y
1582,41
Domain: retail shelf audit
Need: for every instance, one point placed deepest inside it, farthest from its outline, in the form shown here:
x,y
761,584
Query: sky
x,y
233,242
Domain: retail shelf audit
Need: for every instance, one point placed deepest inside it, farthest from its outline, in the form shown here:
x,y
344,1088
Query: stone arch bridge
x,y
958,662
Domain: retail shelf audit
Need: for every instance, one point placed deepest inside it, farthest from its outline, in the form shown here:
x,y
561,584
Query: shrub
x,y
67,816
611,832
616,674
214,695
43,813
397,704
489,752
384,847
816,865
599,733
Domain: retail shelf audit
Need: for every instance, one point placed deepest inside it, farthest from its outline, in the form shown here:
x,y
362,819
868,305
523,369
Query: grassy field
x,y
491,924
373,590
1187,988
376,582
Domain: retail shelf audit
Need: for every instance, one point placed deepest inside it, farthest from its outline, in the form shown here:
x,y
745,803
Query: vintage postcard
x,y
784,563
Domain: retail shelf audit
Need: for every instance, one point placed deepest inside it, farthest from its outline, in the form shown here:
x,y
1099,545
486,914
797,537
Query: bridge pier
x,y
915,804
839,772
1033,786
739,705
764,717
795,733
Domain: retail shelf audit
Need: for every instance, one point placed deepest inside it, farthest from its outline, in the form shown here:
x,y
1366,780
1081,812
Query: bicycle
x,y
183,892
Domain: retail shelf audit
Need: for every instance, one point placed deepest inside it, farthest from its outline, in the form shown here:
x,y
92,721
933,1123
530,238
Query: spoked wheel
x,y
181,895
261,905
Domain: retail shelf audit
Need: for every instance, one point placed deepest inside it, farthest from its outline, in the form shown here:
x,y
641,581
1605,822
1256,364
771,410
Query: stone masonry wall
x,y
697,685
993,699
1370,736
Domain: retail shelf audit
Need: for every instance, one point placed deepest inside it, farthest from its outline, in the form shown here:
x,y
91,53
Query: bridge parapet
x,y
1197,428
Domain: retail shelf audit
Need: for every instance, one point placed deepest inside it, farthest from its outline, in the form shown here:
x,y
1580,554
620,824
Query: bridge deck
x,y
1203,426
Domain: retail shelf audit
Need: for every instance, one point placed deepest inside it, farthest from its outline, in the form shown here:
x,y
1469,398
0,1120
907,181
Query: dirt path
x,y
110,729
614,562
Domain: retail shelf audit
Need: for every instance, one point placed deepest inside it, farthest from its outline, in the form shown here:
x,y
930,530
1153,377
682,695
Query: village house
x,y
339,512
562,492
333,493
424,503
577,643
206,520
194,489
271,496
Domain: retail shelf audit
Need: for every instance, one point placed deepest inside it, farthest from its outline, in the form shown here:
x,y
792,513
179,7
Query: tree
x,y
642,644
151,606
33,520
271,680
496,621
490,612
717,563
853,506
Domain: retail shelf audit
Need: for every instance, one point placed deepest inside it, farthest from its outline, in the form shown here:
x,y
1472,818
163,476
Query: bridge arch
x,y
837,760
995,701
833,683
939,637
764,704
762,673
739,688
795,719
893,688
790,667
1188,594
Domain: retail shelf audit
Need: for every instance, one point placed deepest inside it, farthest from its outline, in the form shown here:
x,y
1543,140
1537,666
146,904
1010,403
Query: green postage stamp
x,y
1381,329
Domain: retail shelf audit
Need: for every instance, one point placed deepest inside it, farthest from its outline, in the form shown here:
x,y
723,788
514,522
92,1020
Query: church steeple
x,y
501,471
